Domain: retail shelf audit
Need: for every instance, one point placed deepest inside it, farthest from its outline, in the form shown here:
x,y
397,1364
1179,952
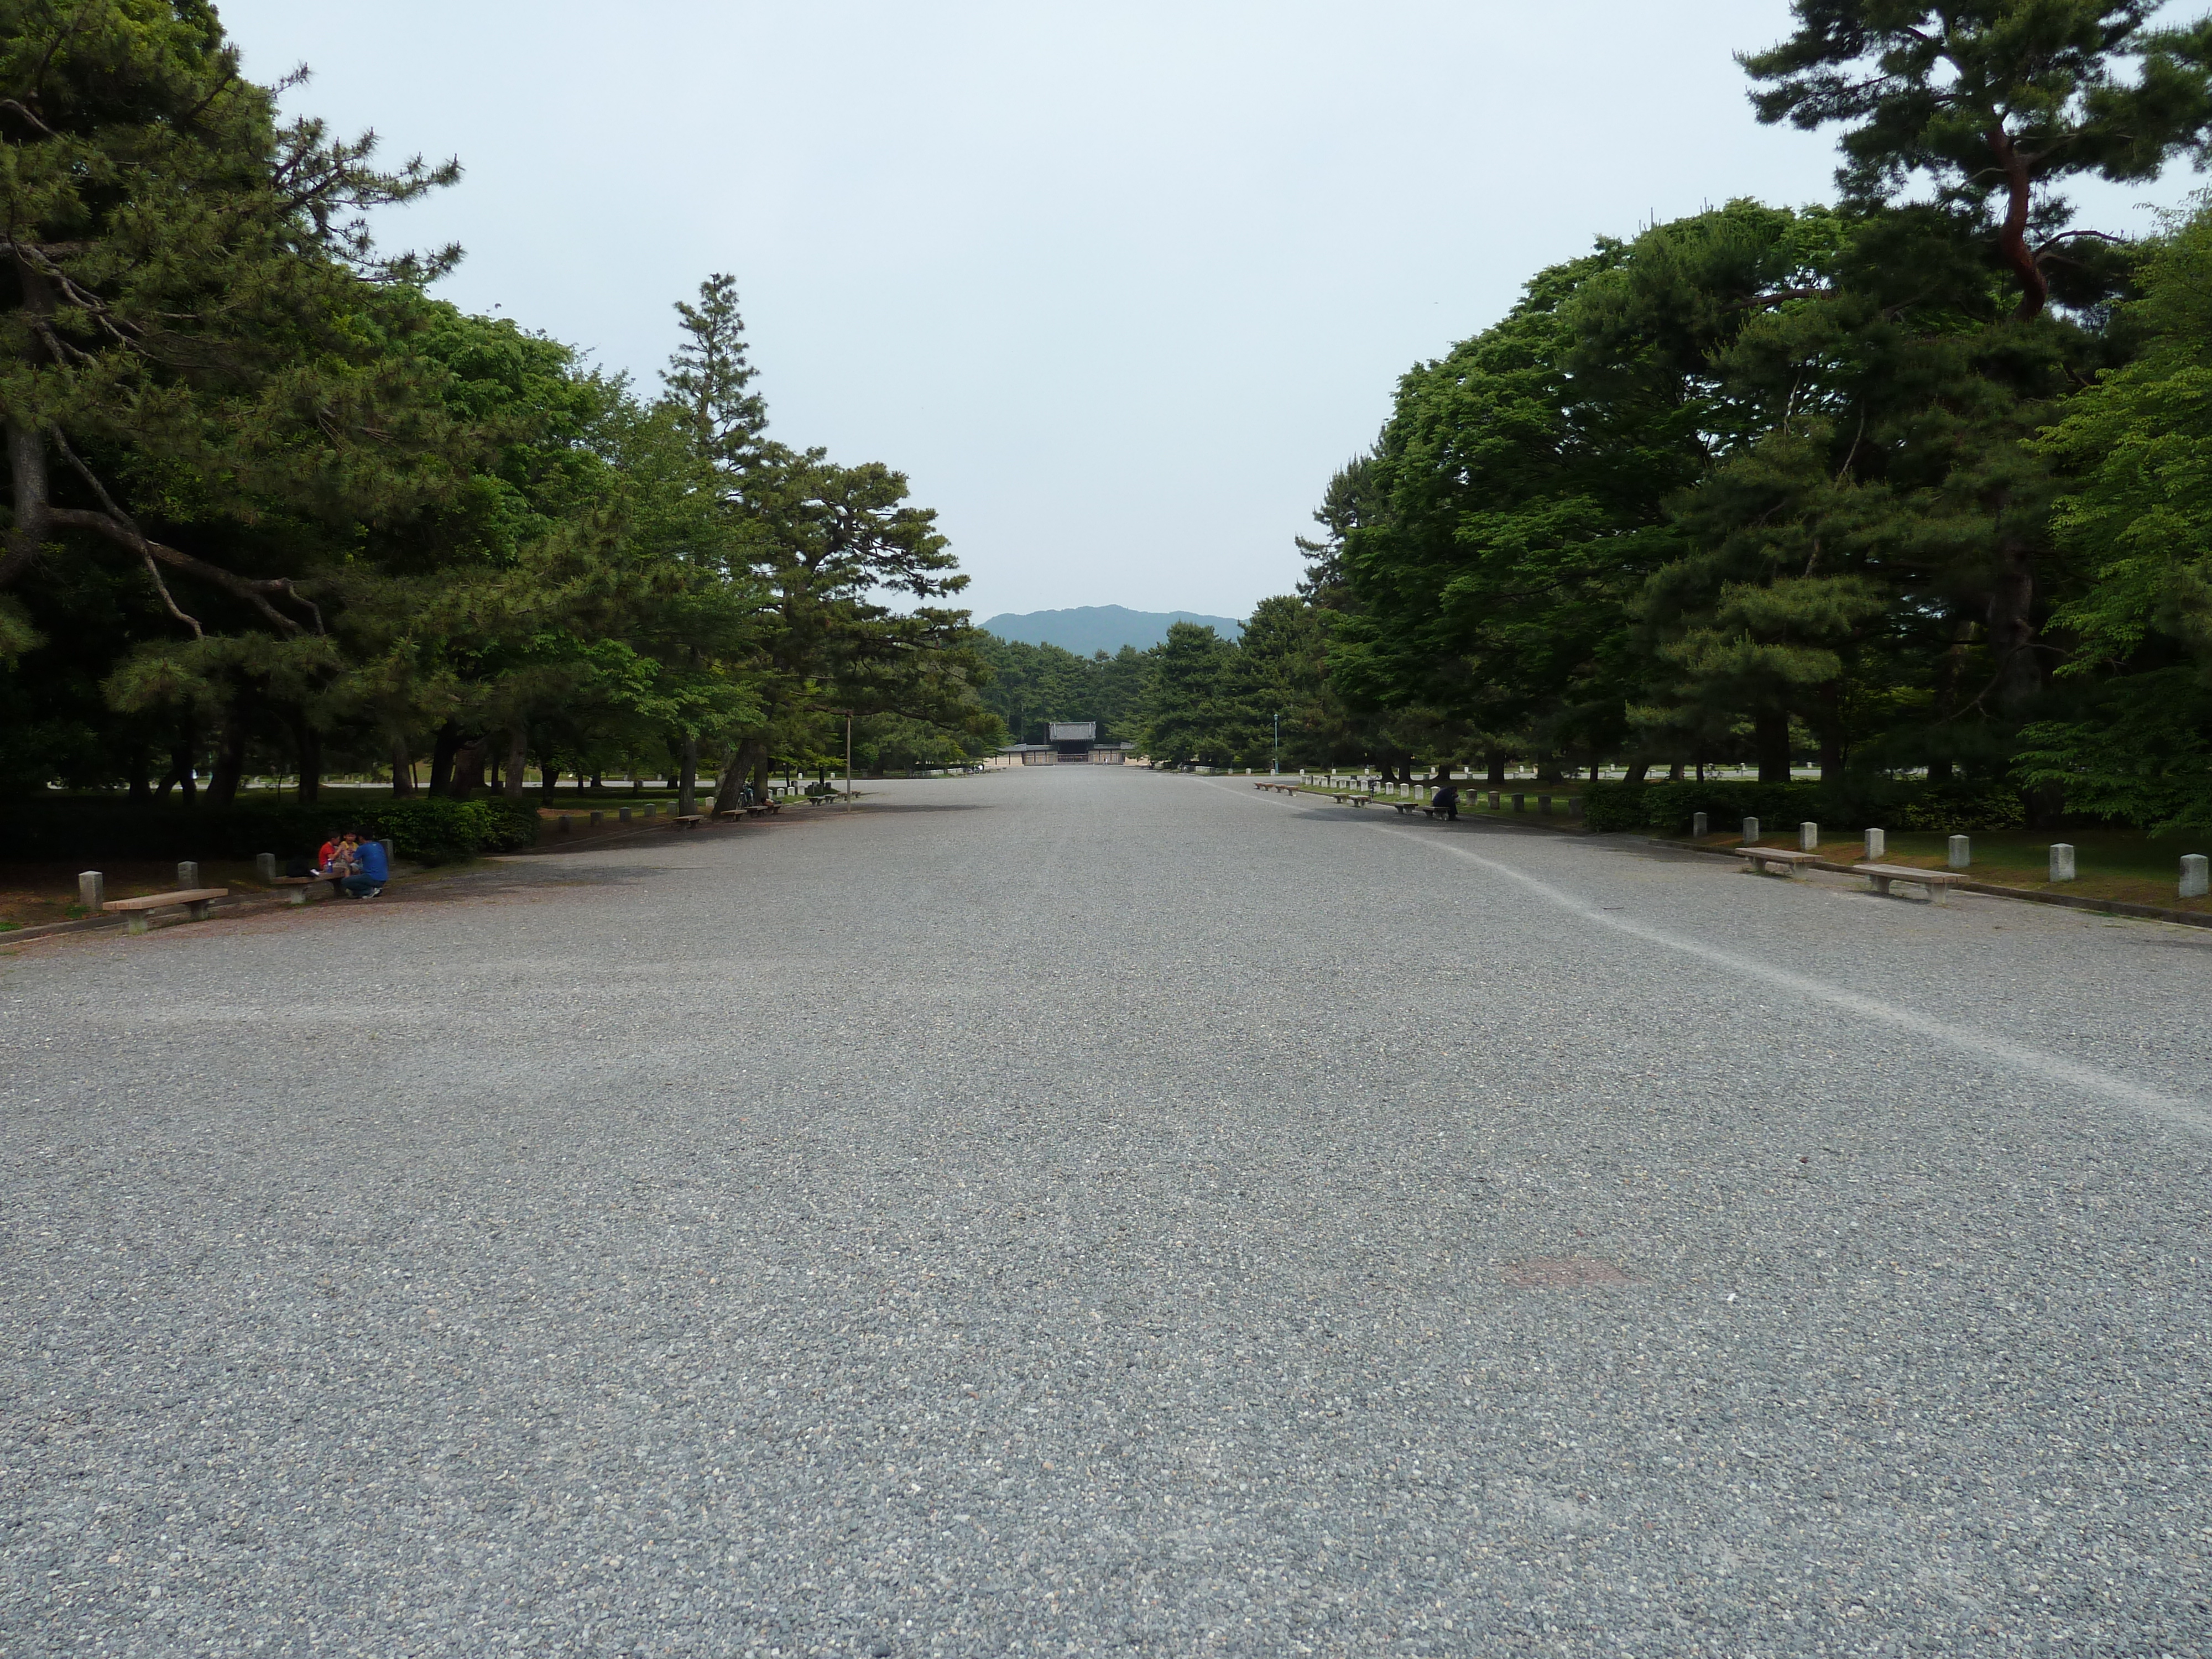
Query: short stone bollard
x,y
1808,836
92,891
1751,832
1520,803
1961,852
188,874
2062,861
1574,807
622,814
265,865
1493,800
390,853
1877,843
2194,874
598,819
1700,826
568,825
1544,805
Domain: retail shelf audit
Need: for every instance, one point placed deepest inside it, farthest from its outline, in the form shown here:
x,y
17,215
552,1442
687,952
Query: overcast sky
x,y
1118,286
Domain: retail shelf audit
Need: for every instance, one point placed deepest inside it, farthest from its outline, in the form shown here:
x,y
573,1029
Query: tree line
x,y
274,506
1916,484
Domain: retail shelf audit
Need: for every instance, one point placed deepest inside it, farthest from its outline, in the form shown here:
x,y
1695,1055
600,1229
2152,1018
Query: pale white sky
x,y
1118,286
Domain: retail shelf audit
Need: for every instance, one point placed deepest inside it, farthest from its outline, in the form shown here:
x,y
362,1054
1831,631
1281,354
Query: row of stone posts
x,y
1959,853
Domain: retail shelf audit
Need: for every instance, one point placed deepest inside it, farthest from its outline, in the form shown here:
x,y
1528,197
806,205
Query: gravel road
x,y
1083,1210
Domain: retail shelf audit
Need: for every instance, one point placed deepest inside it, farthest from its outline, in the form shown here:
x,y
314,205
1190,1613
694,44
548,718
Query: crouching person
x,y
371,871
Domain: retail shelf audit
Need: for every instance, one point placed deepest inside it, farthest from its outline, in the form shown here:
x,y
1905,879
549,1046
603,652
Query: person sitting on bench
x,y
1446,800
368,860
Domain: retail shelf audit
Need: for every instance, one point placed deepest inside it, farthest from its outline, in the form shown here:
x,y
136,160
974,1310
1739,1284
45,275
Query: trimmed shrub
x,y
1848,804
68,828
1669,806
1614,806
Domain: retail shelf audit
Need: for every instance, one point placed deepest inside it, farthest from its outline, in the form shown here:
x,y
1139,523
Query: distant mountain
x,y
1106,627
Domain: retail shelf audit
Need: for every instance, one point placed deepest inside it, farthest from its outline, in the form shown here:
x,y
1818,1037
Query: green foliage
x,y
423,831
271,505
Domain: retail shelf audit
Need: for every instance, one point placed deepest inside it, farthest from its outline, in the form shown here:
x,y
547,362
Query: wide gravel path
x,y
1079,1211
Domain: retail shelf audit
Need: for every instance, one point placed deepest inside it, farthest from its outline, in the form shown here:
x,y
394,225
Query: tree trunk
x,y
1832,733
1770,741
2012,629
444,748
517,761
230,750
745,759
468,769
687,785
1497,762
308,743
2012,236
134,773
1547,766
1638,770
182,756
402,769
549,775
1674,772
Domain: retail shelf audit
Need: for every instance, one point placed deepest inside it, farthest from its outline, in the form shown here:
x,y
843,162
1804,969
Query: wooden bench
x,y
299,885
1934,882
1758,858
1422,808
689,820
195,900
1355,800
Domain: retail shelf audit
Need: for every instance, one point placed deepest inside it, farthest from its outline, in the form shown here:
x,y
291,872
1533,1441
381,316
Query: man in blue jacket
x,y
373,870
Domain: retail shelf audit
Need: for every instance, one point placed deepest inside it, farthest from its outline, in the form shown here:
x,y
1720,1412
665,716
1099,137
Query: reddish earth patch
x,y
1563,1272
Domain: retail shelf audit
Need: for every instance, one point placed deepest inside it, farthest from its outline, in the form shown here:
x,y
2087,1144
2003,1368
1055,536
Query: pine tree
x,y
1998,100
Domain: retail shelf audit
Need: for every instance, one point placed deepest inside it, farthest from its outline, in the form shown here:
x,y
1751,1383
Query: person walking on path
x,y
372,871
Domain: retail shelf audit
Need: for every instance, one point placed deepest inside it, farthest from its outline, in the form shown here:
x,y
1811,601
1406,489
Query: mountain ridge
x,y
1089,627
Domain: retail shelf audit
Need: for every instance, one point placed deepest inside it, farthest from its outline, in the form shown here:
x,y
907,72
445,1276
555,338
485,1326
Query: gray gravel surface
x,y
1079,1211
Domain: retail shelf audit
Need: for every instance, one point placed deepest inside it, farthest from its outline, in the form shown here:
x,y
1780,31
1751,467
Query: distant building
x,y
1072,744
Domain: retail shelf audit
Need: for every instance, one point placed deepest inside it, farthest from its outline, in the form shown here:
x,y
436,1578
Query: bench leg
x,y
1934,891
199,911
1881,884
135,921
298,895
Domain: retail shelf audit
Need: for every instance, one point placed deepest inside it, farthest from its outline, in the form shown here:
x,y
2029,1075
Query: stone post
x,y
2062,861
1520,803
92,891
188,874
1700,826
1544,805
265,865
598,819
1808,836
622,814
2194,872
1751,832
1493,800
1961,852
1877,844
1574,807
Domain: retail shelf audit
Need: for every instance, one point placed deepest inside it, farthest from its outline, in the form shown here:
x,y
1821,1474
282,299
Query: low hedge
x,y
1666,808
70,828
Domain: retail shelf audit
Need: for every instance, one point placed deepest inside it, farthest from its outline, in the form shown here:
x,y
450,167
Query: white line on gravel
x,y
2183,1114
2053,1068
